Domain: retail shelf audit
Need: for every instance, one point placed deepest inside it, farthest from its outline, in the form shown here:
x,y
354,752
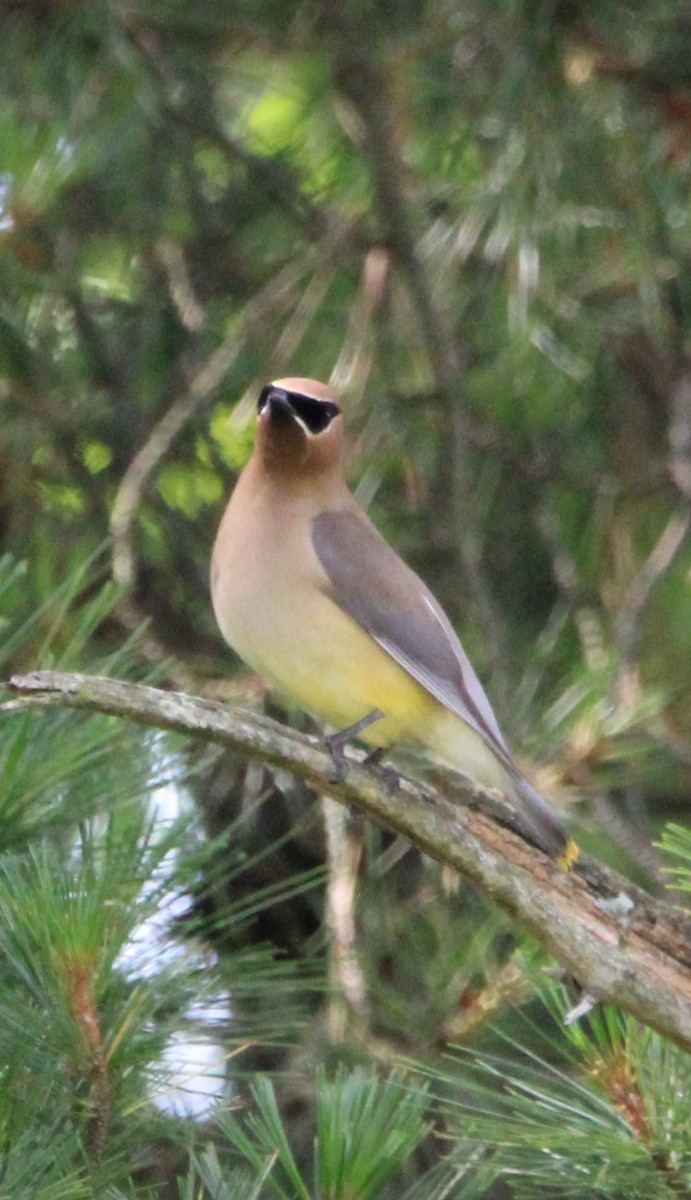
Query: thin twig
x,y
344,849
658,561
566,576
171,255
354,360
667,546
679,435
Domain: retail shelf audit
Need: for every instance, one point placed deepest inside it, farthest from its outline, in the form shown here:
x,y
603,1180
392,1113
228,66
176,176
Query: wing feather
x,y
368,580
374,586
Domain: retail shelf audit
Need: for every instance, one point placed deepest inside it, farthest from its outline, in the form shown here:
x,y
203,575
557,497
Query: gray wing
x,y
374,586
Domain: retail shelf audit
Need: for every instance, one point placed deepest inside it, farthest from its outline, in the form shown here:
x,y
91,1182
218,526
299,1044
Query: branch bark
x,y
621,945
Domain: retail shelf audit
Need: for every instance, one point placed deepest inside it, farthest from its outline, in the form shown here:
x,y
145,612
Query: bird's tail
x,y
548,831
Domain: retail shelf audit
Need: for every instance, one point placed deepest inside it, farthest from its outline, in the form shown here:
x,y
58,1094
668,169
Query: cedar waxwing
x,y
310,595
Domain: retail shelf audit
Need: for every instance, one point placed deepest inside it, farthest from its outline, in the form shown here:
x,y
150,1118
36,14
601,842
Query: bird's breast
x,y
271,600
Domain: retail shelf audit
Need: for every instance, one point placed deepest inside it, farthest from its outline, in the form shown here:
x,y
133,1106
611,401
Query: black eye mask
x,y
317,415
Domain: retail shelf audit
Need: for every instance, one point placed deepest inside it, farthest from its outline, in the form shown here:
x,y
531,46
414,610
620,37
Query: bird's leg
x,y
336,741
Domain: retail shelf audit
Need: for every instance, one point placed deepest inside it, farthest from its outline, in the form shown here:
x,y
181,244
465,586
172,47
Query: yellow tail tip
x,y
571,853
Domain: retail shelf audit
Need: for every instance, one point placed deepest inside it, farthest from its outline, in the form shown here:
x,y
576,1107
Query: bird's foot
x,y
374,758
336,742
389,774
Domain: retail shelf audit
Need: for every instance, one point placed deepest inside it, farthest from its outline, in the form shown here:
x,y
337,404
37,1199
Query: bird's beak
x,y
277,405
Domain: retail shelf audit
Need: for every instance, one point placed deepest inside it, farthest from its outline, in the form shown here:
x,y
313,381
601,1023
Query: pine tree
x,y
474,216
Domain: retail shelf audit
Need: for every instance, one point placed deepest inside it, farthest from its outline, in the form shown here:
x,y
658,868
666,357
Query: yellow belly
x,y
328,666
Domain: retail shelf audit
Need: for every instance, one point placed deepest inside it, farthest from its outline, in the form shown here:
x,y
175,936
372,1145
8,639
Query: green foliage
x,y
79,767
596,1107
94,985
676,843
365,1131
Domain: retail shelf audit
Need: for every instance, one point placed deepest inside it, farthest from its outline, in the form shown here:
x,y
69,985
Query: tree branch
x,y
621,945
662,555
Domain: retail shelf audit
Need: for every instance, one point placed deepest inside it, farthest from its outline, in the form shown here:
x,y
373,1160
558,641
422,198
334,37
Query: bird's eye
x,y
317,415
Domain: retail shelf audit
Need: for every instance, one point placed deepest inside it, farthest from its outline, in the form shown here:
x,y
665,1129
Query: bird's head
x,y
300,426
